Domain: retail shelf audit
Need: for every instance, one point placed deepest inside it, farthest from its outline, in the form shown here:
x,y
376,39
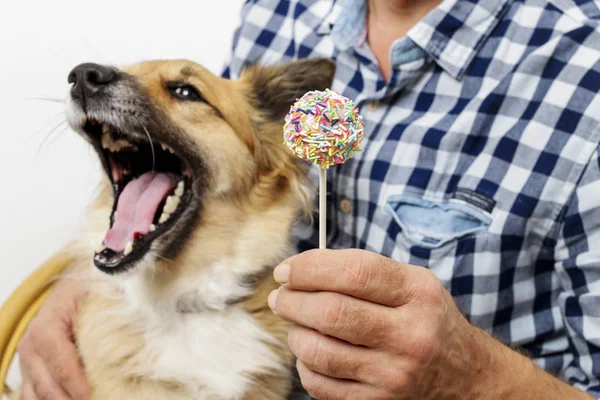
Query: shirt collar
x,y
349,21
451,34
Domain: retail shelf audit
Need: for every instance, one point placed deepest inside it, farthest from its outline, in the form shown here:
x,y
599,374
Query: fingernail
x,y
282,273
272,299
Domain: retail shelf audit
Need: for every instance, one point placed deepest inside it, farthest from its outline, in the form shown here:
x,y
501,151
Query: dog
x,y
196,208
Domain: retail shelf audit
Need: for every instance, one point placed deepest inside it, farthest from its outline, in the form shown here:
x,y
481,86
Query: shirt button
x,y
346,206
373,104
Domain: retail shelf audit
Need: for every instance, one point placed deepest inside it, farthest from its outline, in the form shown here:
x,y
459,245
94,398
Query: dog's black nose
x,y
89,78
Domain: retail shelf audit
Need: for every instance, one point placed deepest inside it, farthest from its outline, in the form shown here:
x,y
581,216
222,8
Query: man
x,y
480,164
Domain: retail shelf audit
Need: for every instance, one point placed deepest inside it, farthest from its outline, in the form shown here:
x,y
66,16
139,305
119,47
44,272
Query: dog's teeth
x,y
108,142
164,216
121,144
171,204
167,148
180,189
104,128
106,139
128,248
152,228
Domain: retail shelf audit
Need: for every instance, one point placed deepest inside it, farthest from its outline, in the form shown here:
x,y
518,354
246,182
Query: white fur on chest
x,y
213,353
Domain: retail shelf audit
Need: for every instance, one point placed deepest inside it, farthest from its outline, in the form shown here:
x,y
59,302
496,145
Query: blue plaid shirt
x,y
480,157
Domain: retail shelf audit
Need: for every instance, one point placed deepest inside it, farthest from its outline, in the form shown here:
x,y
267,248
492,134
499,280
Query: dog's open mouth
x,y
151,185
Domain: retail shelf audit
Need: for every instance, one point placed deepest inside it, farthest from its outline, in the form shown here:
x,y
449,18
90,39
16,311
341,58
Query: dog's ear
x,y
277,87
273,89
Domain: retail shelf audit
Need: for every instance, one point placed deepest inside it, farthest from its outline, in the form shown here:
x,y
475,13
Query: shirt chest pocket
x,y
432,224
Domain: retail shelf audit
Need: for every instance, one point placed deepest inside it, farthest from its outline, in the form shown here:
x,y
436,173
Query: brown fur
x,y
255,190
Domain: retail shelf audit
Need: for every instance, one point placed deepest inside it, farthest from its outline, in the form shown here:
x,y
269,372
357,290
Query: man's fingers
x,y
357,273
326,388
344,317
41,382
59,355
332,357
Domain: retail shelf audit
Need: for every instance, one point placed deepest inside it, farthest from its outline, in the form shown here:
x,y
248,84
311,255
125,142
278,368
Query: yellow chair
x,y
22,306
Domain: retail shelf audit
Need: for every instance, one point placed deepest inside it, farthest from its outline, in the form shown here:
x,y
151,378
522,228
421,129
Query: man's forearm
x,y
512,375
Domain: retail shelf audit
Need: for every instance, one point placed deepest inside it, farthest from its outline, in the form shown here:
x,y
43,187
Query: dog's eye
x,y
184,91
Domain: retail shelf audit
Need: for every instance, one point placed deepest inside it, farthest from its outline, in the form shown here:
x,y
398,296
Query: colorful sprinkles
x,y
323,128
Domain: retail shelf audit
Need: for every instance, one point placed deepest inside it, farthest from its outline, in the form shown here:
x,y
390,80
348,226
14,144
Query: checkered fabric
x,y
480,157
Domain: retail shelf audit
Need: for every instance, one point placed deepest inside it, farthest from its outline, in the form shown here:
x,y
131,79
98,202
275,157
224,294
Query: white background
x,y
45,186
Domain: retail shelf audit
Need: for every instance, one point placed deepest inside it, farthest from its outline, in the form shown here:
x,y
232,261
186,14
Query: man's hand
x,y
50,365
368,327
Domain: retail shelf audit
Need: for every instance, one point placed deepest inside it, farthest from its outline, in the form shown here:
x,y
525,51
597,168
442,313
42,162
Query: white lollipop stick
x,y
323,209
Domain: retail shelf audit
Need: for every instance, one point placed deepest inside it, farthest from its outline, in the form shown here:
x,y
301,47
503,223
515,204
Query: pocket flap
x,y
432,224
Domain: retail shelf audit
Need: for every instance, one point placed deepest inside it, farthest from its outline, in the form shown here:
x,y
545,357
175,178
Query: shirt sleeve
x,y
577,255
230,69
259,36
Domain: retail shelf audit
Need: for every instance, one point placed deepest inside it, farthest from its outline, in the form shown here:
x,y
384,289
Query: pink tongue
x,y
137,207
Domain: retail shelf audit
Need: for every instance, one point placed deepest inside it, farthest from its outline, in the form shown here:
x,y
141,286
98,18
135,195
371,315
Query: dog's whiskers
x,y
48,99
60,124
60,114
151,148
57,135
